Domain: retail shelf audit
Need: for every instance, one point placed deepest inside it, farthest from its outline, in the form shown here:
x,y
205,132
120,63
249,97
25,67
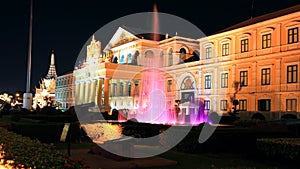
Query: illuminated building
x,y
64,93
255,62
44,95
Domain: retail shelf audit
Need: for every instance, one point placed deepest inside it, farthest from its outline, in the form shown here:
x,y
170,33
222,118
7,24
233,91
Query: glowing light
x,y
101,132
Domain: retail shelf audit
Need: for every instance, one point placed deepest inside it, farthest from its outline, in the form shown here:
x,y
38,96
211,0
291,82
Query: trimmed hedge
x,y
280,148
27,153
246,123
52,118
233,140
46,132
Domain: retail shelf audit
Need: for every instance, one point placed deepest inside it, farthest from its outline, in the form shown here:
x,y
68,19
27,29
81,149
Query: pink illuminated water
x,y
152,101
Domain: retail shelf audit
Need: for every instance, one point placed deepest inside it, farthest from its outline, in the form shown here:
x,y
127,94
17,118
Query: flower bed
x,y
22,152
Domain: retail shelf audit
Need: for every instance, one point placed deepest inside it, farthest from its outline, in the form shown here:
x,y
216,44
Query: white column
x,y
92,91
81,93
86,93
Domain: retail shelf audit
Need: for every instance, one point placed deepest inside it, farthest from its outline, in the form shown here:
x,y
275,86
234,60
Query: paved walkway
x,y
99,162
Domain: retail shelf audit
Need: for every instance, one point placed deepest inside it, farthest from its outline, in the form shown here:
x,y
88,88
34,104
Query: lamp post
x,y
27,97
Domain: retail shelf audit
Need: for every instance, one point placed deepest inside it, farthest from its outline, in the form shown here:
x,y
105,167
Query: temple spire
x,y
52,71
52,58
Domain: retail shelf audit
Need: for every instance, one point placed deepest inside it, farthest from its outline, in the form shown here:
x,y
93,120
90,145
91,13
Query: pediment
x,y
121,36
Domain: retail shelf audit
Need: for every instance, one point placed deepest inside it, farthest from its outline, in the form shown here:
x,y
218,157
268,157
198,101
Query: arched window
x,y
161,59
122,59
135,56
182,52
188,83
129,58
115,60
149,58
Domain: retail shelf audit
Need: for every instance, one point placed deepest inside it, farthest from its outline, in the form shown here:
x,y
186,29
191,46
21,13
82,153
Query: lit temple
x,y
44,95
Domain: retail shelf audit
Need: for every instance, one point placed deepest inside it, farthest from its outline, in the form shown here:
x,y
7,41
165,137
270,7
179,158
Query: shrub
x,y
288,116
258,116
5,109
46,132
224,139
228,119
27,153
246,123
280,148
59,118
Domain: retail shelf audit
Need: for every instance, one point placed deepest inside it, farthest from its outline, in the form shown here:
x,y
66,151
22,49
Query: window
x,y
129,89
206,104
292,74
121,89
223,106
208,52
114,92
291,105
225,49
207,82
244,45
243,105
293,35
265,76
224,80
169,87
266,41
244,78
170,57
264,105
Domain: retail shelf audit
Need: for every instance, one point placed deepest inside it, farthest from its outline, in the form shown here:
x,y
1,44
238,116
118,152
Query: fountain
x,y
152,98
152,107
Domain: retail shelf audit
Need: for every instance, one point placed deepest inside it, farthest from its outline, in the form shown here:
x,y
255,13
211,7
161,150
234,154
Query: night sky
x,y
65,26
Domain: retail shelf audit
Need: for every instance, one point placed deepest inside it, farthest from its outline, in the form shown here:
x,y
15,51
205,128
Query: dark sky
x,y
64,26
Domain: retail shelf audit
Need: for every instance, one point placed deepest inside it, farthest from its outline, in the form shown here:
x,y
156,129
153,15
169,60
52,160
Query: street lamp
x,y
27,96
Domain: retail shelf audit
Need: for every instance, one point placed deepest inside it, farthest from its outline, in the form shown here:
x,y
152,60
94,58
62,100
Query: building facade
x,y
254,63
64,93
